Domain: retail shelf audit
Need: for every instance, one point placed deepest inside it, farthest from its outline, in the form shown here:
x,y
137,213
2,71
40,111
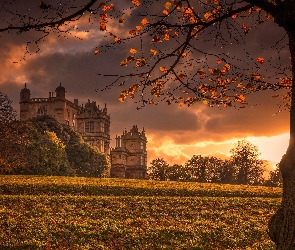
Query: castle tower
x,y
25,97
129,157
25,94
93,124
60,92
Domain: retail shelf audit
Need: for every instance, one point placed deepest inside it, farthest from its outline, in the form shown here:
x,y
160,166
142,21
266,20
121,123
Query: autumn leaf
x,y
132,32
275,96
260,60
205,102
181,104
227,67
124,62
138,27
117,39
96,52
208,15
167,5
136,2
130,58
121,20
104,16
163,69
145,21
103,26
140,62
133,51
241,98
234,16
218,61
153,52
165,12
166,37
123,95
106,8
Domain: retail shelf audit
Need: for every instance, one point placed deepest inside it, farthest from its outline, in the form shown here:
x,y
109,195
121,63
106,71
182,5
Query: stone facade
x,y
129,157
89,120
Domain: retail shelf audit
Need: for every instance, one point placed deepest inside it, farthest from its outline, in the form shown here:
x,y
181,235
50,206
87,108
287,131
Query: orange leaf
x,y
132,32
163,69
104,16
133,51
121,20
219,61
234,16
153,52
260,60
103,26
117,39
106,8
140,62
124,62
145,21
165,12
139,28
167,5
275,96
136,2
96,52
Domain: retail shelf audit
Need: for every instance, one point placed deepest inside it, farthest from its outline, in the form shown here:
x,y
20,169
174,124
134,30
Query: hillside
x,y
90,213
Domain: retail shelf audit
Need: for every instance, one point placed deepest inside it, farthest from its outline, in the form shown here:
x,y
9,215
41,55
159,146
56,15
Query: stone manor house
x,y
128,158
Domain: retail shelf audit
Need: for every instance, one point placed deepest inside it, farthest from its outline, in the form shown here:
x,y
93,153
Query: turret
x,y
60,92
25,94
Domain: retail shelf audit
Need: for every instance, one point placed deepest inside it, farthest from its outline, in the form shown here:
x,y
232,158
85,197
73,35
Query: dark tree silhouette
x,y
171,61
248,167
7,113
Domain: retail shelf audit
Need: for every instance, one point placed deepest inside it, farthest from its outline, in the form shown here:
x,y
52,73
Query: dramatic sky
x,y
174,133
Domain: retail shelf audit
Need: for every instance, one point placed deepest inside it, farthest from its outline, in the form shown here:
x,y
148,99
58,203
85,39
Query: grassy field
x,y
88,213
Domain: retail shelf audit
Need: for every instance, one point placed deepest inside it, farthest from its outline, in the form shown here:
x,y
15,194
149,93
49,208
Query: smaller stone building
x,y
129,157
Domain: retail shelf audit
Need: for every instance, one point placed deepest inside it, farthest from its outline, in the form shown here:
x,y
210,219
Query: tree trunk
x,y
282,224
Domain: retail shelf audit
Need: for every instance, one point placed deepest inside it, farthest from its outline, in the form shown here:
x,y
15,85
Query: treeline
x,y
42,146
243,167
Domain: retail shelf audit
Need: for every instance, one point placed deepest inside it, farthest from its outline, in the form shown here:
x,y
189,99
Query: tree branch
x,y
265,5
52,23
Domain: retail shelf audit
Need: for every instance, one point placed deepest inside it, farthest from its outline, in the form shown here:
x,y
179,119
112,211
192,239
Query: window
x,y
89,127
42,111
102,127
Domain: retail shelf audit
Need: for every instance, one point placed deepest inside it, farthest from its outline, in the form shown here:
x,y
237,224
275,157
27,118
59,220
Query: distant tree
x,y
249,168
275,178
203,168
158,170
53,159
227,172
7,113
177,172
85,159
24,150
17,143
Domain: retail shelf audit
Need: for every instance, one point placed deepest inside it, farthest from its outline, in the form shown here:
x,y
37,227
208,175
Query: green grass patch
x,y
89,213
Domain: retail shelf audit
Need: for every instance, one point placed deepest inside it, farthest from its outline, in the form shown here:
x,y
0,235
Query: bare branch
x,y
52,23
